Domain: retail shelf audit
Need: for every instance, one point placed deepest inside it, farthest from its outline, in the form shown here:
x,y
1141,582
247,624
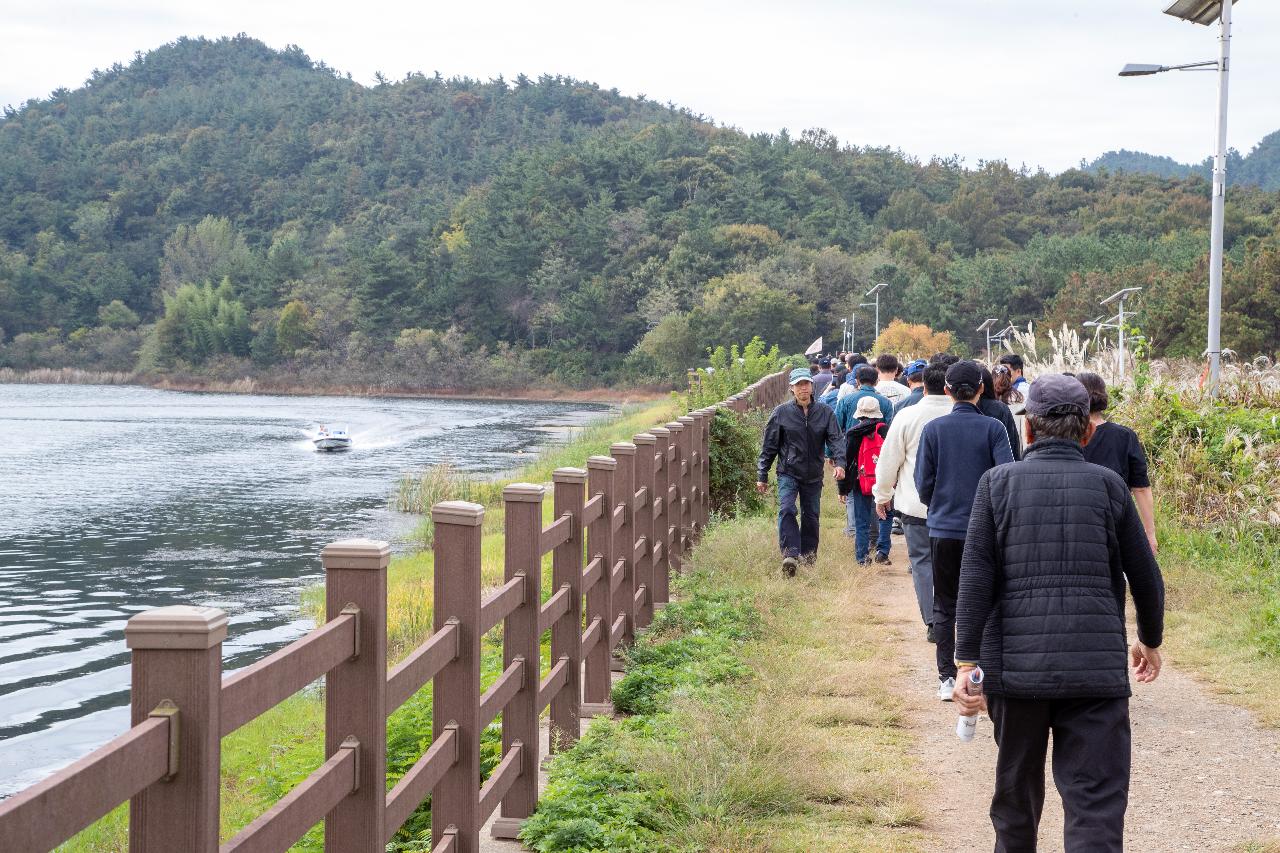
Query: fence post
x,y
624,490
600,546
699,475
687,480
356,691
566,632
676,492
456,691
177,656
709,416
522,507
644,525
661,537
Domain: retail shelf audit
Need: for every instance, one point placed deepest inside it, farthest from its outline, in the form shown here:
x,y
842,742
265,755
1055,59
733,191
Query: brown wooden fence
x,y
635,513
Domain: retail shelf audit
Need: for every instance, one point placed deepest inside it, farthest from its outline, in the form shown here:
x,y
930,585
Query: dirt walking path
x,y
1205,776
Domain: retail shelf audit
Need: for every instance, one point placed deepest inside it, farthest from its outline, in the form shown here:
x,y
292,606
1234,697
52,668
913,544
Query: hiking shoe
x,y
789,567
882,557
865,561
897,526
945,689
929,634
808,559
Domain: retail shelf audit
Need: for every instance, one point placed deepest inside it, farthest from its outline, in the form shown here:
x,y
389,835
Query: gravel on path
x,y
1206,776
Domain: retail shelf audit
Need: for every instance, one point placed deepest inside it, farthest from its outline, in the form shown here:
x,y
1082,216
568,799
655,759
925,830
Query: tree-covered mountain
x,y
1259,168
222,207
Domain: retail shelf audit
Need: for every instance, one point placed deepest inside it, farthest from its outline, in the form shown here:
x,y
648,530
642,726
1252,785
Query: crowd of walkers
x,y
1026,515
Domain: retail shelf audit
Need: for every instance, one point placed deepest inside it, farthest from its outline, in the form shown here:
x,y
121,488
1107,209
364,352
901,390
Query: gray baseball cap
x,y
1057,392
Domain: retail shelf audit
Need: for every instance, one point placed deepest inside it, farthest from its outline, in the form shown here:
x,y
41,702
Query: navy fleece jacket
x,y
955,451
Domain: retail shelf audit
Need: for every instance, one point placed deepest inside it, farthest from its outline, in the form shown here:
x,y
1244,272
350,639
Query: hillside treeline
x,y
221,207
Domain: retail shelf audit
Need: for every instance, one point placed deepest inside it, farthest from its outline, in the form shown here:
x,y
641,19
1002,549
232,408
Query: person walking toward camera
x,y
864,442
799,435
1050,544
955,451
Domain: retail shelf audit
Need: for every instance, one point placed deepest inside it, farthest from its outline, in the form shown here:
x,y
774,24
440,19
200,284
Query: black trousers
x,y
1091,751
946,588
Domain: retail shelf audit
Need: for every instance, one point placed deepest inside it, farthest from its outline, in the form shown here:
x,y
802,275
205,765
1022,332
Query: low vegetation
x,y
757,720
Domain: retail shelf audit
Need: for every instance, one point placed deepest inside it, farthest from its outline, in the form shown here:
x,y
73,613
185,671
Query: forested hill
x,y
1259,168
219,206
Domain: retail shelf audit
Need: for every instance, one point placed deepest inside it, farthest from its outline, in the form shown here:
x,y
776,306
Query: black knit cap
x,y
964,376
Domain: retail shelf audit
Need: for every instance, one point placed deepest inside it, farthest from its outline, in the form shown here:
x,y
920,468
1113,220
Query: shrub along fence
x,y
635,514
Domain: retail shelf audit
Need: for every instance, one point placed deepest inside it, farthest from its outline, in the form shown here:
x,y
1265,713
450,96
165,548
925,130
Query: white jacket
x,y
896,468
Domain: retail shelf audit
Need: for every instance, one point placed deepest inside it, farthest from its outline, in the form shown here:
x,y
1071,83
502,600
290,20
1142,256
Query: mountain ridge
x,y
217,205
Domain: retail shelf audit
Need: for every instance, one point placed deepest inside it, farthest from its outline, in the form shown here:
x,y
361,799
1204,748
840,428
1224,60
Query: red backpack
x,y
868,456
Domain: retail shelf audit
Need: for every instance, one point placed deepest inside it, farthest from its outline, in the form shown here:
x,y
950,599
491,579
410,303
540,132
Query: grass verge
x,y
760,718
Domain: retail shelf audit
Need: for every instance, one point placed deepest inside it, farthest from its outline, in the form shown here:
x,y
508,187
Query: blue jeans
x,y
798,538
863,521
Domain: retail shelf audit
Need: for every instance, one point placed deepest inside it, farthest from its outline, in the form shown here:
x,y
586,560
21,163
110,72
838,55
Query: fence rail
x,y
622,527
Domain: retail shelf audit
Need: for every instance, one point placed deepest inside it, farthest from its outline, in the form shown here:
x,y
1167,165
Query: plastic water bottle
x,y
966,726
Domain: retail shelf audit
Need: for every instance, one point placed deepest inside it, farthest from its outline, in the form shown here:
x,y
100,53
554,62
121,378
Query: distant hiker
x,y
887,384
865,440
896,488
1014,362
828,397
1119,448
865,377
852,362
913,373
993,408
799,433
822,379
1011,397
955,451
1051,542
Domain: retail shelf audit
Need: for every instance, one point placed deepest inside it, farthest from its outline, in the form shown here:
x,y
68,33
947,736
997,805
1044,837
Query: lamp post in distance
x,y
1206,12
1119,297
986,327
877,337
876,292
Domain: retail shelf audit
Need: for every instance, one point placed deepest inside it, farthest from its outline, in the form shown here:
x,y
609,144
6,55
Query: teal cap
x,y
800,374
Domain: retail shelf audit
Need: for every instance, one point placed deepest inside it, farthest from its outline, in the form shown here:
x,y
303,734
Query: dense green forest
x,y
220,208
1259,168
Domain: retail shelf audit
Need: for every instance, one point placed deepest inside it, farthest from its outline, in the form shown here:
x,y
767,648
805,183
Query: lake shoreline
x,y
249,385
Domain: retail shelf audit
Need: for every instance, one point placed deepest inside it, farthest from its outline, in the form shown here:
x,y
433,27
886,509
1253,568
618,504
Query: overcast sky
x,y
1028,81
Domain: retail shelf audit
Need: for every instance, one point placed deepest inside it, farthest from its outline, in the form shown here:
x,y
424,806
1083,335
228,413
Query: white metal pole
x,y
1219,196
877,316
1120,351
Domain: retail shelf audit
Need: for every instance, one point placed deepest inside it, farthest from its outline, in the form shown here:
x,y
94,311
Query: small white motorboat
x,y
332,438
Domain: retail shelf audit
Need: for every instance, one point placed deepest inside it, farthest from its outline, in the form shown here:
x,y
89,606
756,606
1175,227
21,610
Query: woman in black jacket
x,y
989,404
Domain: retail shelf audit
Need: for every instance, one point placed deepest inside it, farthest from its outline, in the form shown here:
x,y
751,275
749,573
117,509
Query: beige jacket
x,y
896,469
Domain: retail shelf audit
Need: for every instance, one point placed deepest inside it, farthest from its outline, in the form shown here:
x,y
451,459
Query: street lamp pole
x,y
1119,297
1219,197
986,327
876,292
1206,12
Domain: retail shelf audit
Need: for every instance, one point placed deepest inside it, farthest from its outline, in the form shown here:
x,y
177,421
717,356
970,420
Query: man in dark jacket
x,y
1050,544
800,433
955,451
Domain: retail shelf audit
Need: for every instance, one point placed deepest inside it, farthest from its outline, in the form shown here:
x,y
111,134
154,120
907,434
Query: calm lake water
x,y
119,499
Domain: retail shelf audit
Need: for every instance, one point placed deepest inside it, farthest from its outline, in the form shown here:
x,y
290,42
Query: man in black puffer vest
x,y
1050,544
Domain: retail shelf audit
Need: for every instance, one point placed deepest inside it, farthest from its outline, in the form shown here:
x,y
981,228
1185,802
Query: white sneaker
x,y
945,689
